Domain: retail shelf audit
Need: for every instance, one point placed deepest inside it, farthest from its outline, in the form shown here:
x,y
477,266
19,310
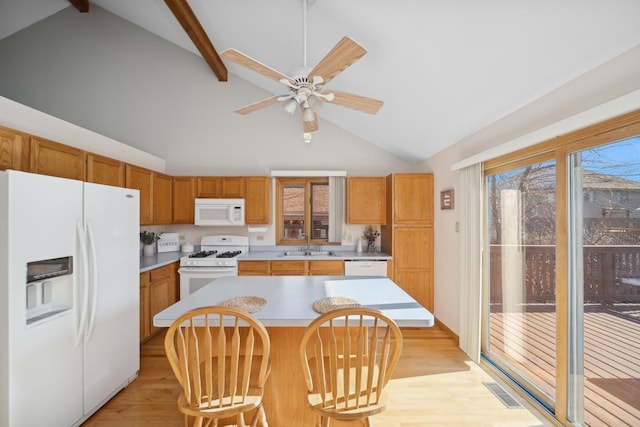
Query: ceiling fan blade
x,y
246,61
345,53
357,102
311,126
257,105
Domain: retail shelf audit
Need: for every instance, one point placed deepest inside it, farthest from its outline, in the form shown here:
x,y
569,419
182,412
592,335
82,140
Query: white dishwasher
x,y
365,267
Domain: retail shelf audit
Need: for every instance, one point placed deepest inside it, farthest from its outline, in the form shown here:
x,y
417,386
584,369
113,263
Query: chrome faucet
x,y
308,248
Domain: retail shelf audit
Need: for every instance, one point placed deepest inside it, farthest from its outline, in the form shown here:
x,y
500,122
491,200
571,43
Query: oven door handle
x,y
206,270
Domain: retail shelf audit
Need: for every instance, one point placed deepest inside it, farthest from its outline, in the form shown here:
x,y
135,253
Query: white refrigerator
x,y
69,297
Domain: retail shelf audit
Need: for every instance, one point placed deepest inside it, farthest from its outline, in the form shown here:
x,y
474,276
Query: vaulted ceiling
x,y
445,70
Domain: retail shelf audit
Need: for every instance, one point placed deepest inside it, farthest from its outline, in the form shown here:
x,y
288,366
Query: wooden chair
x,y
220,356
348,356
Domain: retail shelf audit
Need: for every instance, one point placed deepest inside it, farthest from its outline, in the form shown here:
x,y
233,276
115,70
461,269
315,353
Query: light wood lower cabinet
x,y
158,290
291,268
326,268
145,318
254,268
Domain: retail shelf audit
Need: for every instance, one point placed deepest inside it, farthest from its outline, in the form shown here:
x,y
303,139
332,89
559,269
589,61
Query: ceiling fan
x,y
306,88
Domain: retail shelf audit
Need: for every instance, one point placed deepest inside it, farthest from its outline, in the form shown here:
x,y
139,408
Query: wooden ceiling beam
x,y
185,16
81,5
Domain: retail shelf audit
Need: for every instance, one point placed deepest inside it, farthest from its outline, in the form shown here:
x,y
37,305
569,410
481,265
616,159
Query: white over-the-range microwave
x,y
219,212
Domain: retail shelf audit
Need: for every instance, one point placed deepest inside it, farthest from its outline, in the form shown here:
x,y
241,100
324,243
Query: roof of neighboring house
x,y
596,180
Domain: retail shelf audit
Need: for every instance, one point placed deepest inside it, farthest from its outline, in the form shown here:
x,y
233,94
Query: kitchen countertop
x,y
290,298
158,260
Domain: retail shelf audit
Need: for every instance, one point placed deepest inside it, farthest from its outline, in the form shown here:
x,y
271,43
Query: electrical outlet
x,y
260,237
349,237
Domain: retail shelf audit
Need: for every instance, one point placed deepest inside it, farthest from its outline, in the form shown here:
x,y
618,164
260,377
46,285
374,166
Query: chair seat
x,y
350,412
213,410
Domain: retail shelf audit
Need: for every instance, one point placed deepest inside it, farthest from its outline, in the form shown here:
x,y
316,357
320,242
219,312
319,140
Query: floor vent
x,y
503,395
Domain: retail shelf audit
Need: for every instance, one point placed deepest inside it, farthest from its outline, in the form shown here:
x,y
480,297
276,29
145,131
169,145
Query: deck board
x,y
611,357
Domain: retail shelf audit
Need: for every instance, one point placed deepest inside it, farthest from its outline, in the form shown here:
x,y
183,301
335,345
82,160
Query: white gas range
x,y
218,257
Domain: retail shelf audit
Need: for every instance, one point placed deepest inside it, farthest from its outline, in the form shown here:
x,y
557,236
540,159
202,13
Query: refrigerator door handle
x,y
81,310
93,283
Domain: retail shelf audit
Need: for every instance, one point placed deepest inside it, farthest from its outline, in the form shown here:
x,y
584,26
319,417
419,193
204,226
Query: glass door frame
x,y
611,130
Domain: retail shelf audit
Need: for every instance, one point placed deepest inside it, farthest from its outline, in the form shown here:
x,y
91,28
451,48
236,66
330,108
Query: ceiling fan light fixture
x,y
307,137
290,106
308,115
314,103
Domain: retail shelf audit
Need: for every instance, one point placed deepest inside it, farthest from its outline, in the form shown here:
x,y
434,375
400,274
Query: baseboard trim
x,y
447,330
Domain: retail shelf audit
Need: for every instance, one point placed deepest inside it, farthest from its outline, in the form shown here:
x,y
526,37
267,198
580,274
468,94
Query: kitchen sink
x,y
308,253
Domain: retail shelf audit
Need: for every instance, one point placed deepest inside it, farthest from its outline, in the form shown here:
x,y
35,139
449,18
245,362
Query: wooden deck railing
x,y
604,269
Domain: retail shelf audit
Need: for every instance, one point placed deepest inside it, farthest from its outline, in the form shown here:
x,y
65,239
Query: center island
x,y
287,313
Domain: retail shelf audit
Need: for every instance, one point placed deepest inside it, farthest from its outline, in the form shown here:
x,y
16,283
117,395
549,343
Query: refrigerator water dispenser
x,y
49,288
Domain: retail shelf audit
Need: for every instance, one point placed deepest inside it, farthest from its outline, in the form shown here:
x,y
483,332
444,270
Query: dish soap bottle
x,y
359,246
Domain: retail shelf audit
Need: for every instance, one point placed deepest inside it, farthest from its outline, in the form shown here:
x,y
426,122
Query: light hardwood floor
x,y
434,384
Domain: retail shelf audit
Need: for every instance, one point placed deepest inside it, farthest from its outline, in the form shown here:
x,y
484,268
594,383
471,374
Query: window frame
x,y
307,183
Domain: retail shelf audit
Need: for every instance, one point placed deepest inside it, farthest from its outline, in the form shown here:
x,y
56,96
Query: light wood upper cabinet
x,y
14,150
103,170
208,186
257,200
184,195
412,198
232,186
220,186
162,200
366,200
142,180
52,158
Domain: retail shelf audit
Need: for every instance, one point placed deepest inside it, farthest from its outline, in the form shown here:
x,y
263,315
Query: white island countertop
x,y
290,298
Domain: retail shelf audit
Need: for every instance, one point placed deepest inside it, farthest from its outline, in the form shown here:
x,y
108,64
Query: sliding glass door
x,y
520,313
605,289
561,312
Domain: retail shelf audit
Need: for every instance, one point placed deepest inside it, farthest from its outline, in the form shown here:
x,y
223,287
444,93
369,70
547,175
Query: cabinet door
x,y
162,201
13,149
413,262
103,170
253,268
52,158
418,284
232,186
142,180
366,200
145,315
183,199
257,200
208,186
159,293
412,199
174,293
326,268
289,268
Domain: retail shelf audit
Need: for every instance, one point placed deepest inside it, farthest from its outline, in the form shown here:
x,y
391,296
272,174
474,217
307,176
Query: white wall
x,y
105,74
608,91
